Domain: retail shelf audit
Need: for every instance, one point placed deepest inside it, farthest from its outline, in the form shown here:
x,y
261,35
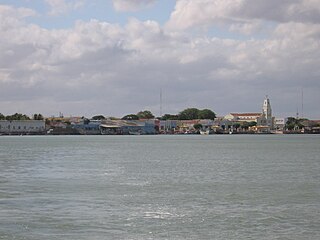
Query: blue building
x,y
88,127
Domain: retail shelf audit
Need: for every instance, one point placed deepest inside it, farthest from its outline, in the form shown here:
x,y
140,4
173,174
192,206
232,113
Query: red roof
x,y
246,114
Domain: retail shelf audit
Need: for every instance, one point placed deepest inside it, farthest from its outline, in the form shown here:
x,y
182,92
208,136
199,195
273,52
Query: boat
x,y
205,132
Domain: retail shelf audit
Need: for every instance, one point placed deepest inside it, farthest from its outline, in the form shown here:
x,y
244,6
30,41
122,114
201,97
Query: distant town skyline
x,y
113,57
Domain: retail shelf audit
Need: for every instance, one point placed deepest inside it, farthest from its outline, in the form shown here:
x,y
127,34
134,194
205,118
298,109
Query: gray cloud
x,y
242,14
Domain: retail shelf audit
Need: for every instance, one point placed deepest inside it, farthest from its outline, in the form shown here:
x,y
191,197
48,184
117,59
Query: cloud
x,y
100,67
59,7
10,15
131,5
242,14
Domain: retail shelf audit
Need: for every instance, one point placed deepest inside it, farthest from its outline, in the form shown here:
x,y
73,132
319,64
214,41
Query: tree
x,y
293,123
145,115
130,117
86,121
194,113
113,118
169,117
17,116
2,117
189,114
98,117
37,117
252,124
246,125
197,126
236,125
206,114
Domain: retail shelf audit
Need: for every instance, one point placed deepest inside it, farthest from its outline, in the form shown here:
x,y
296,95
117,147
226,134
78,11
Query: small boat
x,y
206,132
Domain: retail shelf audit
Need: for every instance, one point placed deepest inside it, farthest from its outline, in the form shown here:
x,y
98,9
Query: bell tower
x,y
267,112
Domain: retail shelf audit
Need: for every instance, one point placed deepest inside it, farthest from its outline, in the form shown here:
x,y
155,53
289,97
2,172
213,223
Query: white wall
x,y
20,127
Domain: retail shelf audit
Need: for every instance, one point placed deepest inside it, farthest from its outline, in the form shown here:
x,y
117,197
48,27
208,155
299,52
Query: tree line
x,y
186,114
19,116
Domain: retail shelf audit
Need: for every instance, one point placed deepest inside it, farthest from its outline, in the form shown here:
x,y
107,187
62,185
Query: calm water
x,y
160,187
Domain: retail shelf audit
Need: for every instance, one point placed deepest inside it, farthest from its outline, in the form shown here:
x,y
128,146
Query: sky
x,y
113,57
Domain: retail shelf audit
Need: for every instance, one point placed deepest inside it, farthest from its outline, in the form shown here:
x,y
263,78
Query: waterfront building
x,y
168,125
18,127
221,124
127,127
87,127
280,124
244,117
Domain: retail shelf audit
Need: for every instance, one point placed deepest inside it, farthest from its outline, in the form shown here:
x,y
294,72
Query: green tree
x,y
206,114
98,117
169,117
189,114
246,125
252,124
2,117
145,115
236,125
17,116
113,118
293,123
38,117
130,117
197,126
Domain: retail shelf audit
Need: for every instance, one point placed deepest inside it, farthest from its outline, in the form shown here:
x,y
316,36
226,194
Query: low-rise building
x,y
168,125
18,127
87,127
244,117
127,127
280,124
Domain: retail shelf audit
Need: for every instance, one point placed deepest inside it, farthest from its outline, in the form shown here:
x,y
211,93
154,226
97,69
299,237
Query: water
x,y
160,187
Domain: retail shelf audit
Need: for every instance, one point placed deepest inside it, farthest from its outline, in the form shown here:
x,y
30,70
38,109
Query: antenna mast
x,y
302,102
160,102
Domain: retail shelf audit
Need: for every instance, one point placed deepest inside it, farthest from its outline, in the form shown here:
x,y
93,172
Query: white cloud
x,y
131,5
59,7
99,67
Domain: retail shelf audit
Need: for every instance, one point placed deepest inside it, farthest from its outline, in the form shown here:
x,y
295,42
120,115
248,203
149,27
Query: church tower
x,y
267,112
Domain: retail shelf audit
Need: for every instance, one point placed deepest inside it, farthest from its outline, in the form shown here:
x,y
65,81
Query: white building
x,y
263,119
280,123
16,127
267,113
244,117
